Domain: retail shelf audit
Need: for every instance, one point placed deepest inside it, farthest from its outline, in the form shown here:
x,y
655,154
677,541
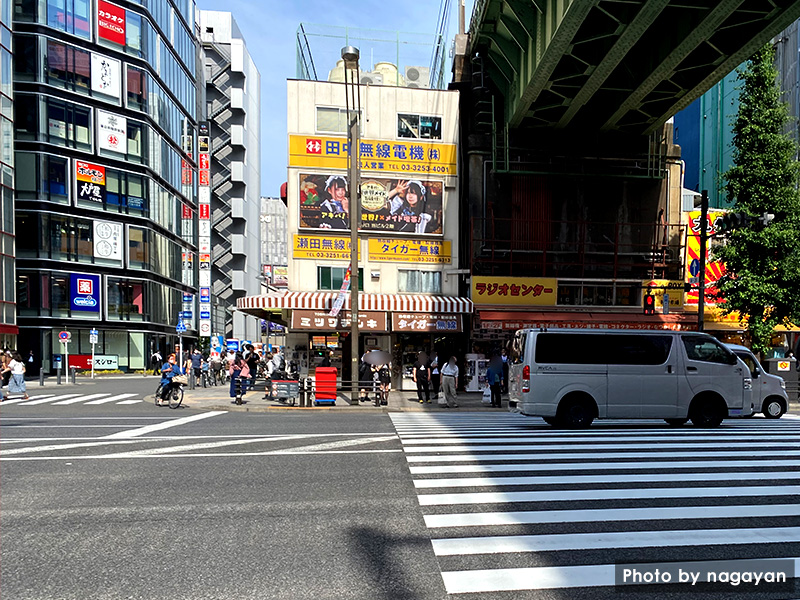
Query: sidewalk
x,y
218,398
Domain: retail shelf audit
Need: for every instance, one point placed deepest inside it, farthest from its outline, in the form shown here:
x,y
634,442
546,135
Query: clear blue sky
x,y
269,29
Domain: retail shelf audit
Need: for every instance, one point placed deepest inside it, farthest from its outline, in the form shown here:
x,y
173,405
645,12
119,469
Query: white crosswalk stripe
x,y
69,399
556,504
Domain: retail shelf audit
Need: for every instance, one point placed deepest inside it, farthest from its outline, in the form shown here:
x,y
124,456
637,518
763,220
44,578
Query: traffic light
x,y
649,304
731,221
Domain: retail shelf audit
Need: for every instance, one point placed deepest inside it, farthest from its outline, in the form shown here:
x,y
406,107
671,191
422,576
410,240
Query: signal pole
x,y
701,291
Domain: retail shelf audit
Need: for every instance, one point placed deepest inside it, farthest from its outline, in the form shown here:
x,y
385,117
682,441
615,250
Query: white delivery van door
x,y
708,367
642,376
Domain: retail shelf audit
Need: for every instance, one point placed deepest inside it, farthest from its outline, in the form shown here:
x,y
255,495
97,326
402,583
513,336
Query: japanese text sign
x,y
85,292
413,251
111,22
516,291
322,321
440,323
321,246
414,158
91,181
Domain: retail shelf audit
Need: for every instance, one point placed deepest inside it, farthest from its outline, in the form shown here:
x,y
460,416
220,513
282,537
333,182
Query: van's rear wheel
x,y
552,421
676,422
707,411
576,413
774,407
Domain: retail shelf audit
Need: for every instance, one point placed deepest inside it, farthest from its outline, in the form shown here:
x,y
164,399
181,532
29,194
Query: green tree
x,y
762,280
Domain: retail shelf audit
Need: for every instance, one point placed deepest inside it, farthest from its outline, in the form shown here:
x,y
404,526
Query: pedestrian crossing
x,y
514,505
68,399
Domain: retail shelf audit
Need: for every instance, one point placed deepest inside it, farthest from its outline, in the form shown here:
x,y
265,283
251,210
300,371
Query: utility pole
x,y
701,291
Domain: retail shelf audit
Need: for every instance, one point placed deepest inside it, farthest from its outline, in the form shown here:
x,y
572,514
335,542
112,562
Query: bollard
x,y
238,388
41,377
191,379
58,376
72,371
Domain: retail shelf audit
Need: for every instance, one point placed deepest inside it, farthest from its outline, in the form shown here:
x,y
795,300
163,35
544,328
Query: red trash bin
x,y
325,385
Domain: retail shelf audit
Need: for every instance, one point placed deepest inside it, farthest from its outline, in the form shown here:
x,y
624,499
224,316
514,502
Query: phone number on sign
x,y
415,259
445,170
335,255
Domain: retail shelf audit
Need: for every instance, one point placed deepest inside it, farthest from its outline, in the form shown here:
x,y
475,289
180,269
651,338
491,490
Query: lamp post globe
x,y
350,56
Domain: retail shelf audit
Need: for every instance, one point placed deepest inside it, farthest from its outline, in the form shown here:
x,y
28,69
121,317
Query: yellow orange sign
x,y
411,251
413,158
321,246
658,287
514,291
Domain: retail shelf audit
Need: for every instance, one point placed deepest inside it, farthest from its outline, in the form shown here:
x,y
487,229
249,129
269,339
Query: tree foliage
x,y
762,279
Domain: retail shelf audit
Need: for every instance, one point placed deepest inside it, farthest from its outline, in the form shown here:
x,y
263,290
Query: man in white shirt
x,y
449,380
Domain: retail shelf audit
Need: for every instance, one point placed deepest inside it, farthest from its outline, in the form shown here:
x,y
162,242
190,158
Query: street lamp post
x,y
350,56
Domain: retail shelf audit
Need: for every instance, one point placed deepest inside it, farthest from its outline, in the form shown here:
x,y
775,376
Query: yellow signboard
x,y
411,251
515,291
413,158
332,247
673,288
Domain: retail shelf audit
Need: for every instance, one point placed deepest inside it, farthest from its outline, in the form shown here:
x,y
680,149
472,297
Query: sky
x,y
269,29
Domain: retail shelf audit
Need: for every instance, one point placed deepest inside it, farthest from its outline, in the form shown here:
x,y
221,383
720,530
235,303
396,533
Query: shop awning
x,y
512,320
407,303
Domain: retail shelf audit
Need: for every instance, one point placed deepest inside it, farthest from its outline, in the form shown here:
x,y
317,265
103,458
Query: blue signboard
x,y
232,345
216,342
180,327
205,294
188,297
694,267
187,314
205,314
84,292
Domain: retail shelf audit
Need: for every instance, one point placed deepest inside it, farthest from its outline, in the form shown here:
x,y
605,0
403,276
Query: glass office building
x,y
105,156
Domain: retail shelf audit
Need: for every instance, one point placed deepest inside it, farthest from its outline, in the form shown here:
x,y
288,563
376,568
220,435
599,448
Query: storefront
x,y
401,324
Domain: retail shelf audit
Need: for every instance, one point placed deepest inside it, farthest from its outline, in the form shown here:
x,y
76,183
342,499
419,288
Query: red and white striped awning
x,y
408,303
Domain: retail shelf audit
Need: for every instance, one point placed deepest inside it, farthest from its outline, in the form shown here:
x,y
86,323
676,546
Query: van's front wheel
x,y
552,421
774,407
576,413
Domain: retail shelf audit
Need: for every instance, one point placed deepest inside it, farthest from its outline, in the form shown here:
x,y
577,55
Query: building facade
x,y
274,254
408,232
233,101
8,308
106,211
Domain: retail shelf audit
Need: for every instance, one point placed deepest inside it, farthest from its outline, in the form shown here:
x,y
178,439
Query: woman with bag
x,y
16,383
238,368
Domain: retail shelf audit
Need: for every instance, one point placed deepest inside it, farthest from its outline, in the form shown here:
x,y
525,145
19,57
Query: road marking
x,y
206,446
602,466
602,515
165,425
80,398
614,539
543,578
609,478
48,399
540,447
130,402
15,400
617,494
112,399
593,455
51,447
135,455
542,439
335,445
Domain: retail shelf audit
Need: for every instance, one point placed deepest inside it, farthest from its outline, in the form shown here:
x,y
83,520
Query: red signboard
x,y
187,212
205,211
205,177
111,22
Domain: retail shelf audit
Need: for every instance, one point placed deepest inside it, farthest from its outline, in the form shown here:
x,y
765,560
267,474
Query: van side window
x,y
638,349
705,350
518,348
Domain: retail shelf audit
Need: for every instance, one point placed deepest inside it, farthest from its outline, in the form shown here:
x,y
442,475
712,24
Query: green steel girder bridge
x,y
615,65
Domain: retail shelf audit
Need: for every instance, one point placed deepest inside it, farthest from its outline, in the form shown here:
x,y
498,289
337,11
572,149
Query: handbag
x,y
180,379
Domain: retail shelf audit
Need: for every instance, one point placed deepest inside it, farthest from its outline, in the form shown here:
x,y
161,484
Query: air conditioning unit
x,y
418,77
371,78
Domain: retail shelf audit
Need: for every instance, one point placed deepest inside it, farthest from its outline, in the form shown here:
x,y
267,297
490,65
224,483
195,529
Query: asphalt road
x,y
134,501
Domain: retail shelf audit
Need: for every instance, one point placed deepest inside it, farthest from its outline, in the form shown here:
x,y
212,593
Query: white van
x,y
572,377
769,391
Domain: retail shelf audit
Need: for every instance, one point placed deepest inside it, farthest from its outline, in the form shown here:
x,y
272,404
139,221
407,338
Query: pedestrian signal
x,y
649,304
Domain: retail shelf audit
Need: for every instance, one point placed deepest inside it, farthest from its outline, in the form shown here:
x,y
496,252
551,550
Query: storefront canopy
x,y
406,303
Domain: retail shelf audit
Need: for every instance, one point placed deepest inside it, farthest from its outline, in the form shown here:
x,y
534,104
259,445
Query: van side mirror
x,y
756,373
733,359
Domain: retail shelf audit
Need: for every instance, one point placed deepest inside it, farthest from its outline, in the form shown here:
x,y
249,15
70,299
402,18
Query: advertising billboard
x,y
84,292
412,206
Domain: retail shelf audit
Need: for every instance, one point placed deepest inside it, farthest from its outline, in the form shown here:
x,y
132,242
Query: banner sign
x,y
328,246
635,326
106,75
91,181
413,158
280,276
111,22
388,205
322,321
514,291
112,132
714,269
426,322
412,251
673,289
337,306
108,240
108,362
84,293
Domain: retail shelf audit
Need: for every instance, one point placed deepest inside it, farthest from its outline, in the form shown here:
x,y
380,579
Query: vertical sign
x,y
106,75
204,224
111,22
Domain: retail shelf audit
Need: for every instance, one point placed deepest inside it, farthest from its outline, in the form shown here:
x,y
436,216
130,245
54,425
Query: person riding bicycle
x,y
168,371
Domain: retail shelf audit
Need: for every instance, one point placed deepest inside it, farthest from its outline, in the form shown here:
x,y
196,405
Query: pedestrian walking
x,y
5,359
449,379
504,358
435,374
494,376
422,377
238,368
385,381
155,362
366,380
197,361
16,370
